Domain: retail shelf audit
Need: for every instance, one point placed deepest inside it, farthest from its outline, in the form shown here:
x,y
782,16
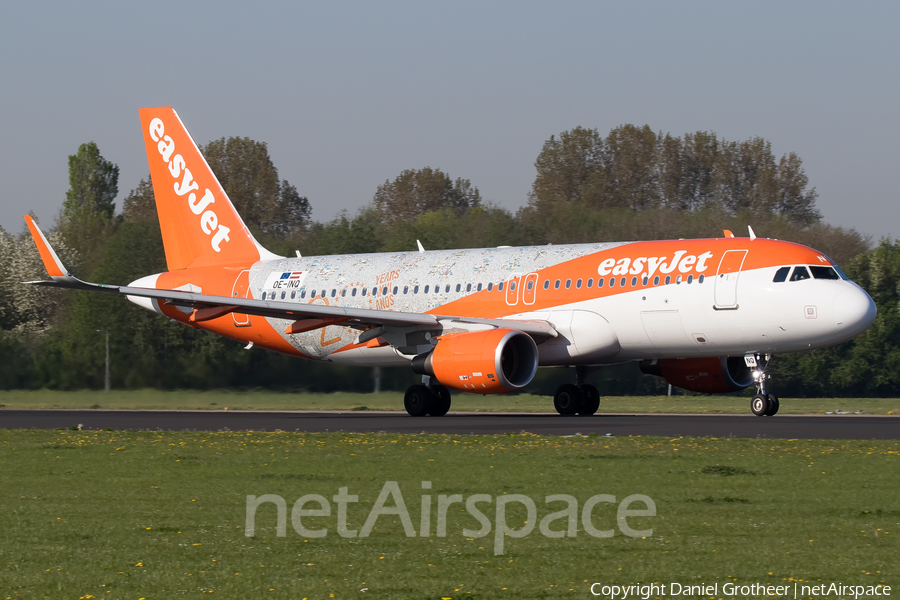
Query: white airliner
x,y
707,315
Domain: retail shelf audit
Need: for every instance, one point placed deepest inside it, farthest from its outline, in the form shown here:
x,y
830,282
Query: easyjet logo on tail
x,y
646,266
209,221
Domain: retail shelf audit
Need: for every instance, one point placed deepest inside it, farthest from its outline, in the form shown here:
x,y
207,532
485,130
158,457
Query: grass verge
x,y
102,514
260,400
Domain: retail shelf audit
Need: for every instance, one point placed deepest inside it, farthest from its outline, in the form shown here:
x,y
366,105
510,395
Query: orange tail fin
x,y
200,226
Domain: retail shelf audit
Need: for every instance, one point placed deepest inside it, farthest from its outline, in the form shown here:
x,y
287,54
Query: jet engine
x,y
706,375
494,361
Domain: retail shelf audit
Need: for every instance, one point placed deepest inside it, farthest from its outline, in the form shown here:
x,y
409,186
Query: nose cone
x,y
854,311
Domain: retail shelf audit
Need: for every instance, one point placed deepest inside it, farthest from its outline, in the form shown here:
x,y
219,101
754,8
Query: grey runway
x,y
741,426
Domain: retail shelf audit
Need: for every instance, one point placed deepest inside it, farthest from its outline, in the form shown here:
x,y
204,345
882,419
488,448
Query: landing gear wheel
x,y
773,405
418,400
440,402
567,400
591,400
760,405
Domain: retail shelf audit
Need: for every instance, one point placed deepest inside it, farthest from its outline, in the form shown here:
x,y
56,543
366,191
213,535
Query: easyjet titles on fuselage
x,y
209,221
647,266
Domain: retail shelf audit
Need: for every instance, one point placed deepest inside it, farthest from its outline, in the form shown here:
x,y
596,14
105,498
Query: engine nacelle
x,y
706,375
495,361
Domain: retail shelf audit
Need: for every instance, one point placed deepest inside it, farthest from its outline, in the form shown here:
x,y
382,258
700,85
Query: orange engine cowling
x,y
707,375
495,361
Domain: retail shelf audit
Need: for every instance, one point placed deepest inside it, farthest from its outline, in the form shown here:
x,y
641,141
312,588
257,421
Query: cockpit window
x,y
799,274
823,272
838,269
781,274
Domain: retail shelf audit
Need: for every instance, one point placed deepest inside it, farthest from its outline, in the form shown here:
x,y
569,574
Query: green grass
x,y
161,514
260,400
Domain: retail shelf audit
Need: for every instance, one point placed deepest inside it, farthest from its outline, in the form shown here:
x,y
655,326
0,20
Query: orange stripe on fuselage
x,y
637,260
219,281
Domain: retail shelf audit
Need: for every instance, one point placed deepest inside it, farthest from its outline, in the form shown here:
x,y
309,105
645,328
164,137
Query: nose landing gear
x,y
763,404
581,398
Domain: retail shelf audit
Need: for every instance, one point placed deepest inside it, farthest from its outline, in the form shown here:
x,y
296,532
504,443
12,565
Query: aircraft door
x,y
512,289
727,279
241,289
529,288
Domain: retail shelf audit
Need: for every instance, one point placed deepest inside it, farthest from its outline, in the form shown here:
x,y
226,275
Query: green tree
x,y
414,192
269,206
87,215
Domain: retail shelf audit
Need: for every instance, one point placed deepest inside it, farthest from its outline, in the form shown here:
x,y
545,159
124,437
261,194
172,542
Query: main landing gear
x,y
422,399
762,404
580,398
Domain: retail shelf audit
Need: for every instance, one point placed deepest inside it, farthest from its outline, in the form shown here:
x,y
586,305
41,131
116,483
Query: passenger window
x,y
283,294
568,283
781,274
312,294
645,281
458,287
556,285
656,280
823,272
293,295
405,289
546,284
500,287
333,292
364,291
425,291
668,279
530,284
353,292
374,291
799,274
701,278
395,290
612,282
437,289
415,289
468,287
678,279
490,286
479,287
600,283
622,282
447,289
690,278
384,291
578,284
303,293
634,282
343,292
263,296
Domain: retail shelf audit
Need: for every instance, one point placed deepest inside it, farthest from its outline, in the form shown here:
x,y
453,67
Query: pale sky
x,y
349,94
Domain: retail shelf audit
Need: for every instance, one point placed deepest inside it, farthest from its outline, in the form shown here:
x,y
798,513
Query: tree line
x,y
632,184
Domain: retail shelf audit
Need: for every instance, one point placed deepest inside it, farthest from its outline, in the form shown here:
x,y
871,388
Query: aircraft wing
x,y
208,307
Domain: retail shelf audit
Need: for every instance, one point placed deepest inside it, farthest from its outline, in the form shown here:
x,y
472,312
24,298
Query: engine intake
x,y
714,375
495,361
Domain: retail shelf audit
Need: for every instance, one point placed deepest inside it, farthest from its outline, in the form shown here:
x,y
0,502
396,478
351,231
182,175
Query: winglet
x,y
54,266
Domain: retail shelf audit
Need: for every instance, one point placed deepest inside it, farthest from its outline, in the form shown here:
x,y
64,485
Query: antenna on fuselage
x,y
419,244
752,235
728,233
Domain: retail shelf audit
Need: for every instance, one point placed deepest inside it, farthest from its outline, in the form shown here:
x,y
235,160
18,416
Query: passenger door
x,y
727,279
